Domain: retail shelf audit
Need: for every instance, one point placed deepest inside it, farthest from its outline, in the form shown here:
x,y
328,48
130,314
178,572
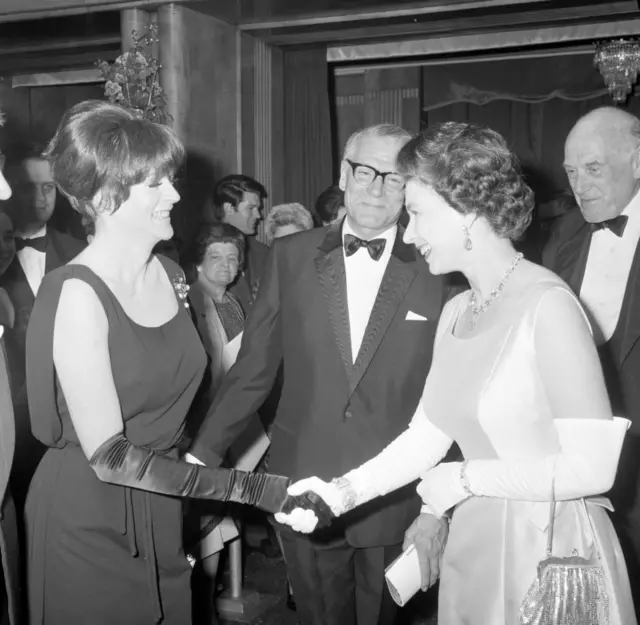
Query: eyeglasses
x,y
366,175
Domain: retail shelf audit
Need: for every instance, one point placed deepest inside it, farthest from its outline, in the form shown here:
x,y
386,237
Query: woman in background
x,y
285,219
113,364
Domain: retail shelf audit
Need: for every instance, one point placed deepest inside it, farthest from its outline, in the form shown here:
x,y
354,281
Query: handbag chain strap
x,y
552,518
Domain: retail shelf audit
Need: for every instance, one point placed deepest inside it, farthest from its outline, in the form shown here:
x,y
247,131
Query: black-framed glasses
x,y
366,175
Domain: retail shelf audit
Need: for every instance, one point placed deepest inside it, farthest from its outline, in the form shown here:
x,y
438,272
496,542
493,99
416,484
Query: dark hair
x,y
24,151
329,203
104,148
474,171
217,233
231,189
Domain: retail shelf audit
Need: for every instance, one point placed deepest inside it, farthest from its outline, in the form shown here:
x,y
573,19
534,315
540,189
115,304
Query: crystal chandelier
x,y
619,63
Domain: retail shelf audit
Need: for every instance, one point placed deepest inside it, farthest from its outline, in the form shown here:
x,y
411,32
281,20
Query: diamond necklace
x,y
476,310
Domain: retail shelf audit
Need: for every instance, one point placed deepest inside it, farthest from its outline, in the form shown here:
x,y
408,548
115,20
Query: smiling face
x,y
220,264
373,208
435,229
603,171
246,216
147,211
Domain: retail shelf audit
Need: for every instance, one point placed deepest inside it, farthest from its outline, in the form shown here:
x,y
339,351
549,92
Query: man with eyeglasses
x,y
351,312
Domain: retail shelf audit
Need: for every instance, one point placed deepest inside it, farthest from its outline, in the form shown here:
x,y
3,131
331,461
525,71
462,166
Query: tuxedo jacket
x,y
566,254
333,414
61,248
246,286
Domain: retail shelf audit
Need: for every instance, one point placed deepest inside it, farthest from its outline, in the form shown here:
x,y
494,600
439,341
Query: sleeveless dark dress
x,y
101,554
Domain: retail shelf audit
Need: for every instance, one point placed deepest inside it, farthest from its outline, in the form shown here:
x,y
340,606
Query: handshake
x,y
310,504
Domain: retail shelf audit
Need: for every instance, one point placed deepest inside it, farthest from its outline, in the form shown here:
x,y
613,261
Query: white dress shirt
x,y
607,271
364,276
33,262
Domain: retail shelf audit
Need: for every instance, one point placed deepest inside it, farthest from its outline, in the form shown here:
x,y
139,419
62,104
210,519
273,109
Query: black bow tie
x,y
375,247
616,225
37,243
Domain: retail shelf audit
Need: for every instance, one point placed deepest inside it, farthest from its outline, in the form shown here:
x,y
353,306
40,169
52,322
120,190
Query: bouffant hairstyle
x,y
101,150
288,215
217,233
231,189
474,171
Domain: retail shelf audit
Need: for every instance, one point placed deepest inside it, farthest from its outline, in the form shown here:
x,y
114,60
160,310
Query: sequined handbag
x,y
569,590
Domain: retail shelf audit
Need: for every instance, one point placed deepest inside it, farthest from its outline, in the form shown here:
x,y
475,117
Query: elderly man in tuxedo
x,y
351,312
9,559
596,250
39,249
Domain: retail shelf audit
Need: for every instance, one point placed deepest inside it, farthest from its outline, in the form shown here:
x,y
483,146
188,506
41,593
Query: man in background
x,y
39,249
238,201
596,251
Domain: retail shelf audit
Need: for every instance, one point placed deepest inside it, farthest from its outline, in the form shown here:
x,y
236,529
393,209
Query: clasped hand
x,y
312,504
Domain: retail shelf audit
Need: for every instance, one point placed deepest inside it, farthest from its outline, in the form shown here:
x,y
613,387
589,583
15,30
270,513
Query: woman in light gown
x,y
515,381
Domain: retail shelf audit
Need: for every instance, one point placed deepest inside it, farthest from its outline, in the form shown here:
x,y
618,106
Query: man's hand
x,y
429,535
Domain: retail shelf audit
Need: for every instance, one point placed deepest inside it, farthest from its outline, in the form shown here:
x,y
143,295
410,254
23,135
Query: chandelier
x,y
619,63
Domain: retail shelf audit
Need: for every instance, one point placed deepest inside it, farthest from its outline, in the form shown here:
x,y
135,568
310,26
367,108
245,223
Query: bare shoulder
x,y
79,306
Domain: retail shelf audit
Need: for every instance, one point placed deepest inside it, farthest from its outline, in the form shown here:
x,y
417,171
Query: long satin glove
x,y
117,461
585,465
421,446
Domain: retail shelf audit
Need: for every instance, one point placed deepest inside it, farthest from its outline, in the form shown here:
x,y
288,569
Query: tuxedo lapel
x,y
333,279
629,321
571,259
54,255
396,281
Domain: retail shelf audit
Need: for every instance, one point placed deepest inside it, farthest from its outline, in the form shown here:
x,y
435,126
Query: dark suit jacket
x,y
246,286
61,248
566,254
9,554
333,415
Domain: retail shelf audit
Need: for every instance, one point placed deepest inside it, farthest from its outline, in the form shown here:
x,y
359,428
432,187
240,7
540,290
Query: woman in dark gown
x,y
113,364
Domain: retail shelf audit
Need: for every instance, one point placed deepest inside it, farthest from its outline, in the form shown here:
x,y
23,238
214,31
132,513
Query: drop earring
x,y
468,243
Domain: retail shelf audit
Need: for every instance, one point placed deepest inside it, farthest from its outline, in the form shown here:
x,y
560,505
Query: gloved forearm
x,y
118,461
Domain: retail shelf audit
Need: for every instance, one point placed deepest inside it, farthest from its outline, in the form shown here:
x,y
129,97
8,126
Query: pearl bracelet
x,y
464,481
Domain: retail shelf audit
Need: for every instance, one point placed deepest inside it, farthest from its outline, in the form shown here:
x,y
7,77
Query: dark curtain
x,y
307,125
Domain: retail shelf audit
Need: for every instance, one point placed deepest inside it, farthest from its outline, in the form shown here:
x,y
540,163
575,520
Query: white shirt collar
x,y
40,233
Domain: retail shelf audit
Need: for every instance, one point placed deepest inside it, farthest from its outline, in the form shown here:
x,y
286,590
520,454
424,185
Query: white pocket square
x,y
411,316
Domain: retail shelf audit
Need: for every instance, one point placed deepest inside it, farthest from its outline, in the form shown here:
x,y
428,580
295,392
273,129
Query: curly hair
x,y
217,233
474,171
101,150
293,214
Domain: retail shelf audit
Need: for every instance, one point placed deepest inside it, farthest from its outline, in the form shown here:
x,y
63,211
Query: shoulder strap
x,y
40,371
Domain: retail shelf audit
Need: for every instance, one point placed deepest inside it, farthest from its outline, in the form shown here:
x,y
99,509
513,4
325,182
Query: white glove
x,y
441,488
305,521
585,465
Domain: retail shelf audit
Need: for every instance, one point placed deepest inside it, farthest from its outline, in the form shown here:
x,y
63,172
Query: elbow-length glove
x,y
585,465
421,446
117,461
